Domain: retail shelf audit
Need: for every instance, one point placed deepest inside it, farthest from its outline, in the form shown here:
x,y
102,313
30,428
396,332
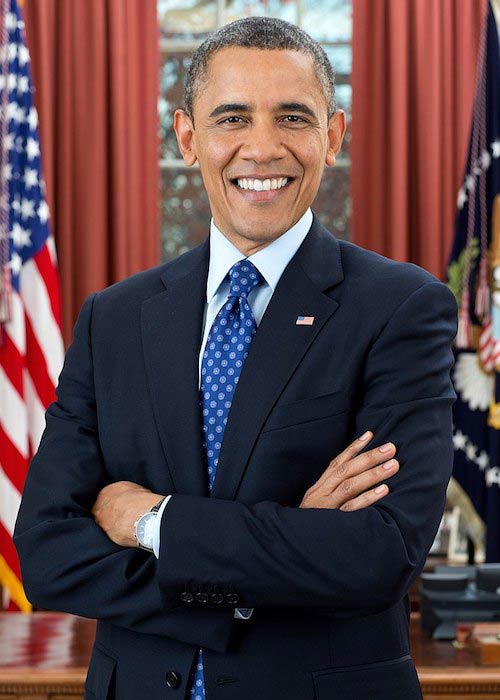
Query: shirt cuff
x,y
157,527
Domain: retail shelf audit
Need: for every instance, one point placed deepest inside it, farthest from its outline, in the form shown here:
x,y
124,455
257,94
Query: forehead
x,y
237,74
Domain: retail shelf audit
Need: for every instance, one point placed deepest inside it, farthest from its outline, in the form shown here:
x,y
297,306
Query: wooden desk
x,y
45,655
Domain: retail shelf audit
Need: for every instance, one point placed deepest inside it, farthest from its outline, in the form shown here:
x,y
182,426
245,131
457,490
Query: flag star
x,y
462,198
12,51
7,171
32,149
43,212
470,451
16,204
20,236
470,182
477,170
12,108
9,141
16,263
11,20
27,208
24,55
459,440
493,477
23,85
11,81
495,147
483,461
30,178
32,119
20,115
485,160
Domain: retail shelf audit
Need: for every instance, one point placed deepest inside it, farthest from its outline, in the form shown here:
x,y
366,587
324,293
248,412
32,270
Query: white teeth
x,y
260,185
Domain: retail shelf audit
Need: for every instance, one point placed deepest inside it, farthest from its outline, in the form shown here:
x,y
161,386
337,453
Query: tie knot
x,y
243,276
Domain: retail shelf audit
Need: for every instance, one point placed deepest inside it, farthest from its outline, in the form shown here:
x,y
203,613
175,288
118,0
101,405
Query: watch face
x,y
145,529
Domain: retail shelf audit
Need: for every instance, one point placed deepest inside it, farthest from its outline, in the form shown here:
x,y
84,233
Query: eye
x,y
293,119
231,120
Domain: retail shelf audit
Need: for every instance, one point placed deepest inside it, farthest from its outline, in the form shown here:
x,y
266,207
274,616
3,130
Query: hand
x,y
117,508
346,482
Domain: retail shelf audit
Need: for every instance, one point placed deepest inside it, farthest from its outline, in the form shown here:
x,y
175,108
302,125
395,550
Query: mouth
x,y
261,189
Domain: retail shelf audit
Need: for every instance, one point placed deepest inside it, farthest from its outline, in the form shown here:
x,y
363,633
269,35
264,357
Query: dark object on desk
x,y
459,594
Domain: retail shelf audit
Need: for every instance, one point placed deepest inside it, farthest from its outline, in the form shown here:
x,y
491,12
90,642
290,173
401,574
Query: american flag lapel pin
x,y
304,321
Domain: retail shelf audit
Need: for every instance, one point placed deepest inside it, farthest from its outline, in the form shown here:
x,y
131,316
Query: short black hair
x,y
259,33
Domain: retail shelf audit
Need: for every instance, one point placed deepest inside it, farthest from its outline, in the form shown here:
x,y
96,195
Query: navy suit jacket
x,y
329,587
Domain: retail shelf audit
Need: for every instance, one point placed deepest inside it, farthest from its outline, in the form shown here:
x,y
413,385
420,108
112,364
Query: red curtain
x,y
413,75
95,69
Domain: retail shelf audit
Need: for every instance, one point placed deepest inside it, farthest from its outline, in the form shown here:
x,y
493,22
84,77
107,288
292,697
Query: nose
x,y
263,143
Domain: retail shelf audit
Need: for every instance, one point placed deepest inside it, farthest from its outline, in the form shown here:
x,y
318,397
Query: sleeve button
x,y
173,679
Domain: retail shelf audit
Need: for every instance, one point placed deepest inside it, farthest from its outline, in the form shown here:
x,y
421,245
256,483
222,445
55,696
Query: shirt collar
x,y
270,260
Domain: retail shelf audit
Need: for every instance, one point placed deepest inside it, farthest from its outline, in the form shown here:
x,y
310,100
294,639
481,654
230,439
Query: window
x,y
185,212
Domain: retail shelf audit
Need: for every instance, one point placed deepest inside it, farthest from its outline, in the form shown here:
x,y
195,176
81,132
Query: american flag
x,y
31,343
474,277
304,321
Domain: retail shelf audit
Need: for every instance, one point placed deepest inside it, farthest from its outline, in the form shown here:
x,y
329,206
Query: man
x,y
273,568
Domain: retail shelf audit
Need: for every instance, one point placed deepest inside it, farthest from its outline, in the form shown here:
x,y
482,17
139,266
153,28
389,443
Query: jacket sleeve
x,y
67,561
332,560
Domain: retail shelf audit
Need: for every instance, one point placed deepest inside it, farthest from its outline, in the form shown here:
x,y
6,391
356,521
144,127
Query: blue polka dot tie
x,y
225,352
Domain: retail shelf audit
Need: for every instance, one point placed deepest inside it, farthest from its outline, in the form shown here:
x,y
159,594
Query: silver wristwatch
x,y
143,528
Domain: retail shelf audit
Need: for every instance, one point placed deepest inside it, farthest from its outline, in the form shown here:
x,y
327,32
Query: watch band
x,y
156,508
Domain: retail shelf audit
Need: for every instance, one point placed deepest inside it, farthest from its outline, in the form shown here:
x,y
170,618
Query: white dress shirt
x,y
270,262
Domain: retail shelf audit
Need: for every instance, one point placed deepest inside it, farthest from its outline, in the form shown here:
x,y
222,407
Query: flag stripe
x,y
15,328
12,363
14,464
13,414
37,305
38,367
51,280
36,414
10,500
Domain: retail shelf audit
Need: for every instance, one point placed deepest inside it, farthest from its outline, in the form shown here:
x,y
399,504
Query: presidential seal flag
x,y
474,278
31,344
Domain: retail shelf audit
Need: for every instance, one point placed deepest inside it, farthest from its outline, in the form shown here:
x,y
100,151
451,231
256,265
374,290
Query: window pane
x,y
333,201
327,20
236,9
185,214
340,58
186,19
172,77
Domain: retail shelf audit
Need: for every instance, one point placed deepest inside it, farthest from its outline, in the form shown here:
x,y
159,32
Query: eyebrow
x,y
241,107
229,107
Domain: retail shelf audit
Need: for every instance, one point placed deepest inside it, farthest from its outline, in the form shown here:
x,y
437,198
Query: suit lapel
x,y
277,348
172,333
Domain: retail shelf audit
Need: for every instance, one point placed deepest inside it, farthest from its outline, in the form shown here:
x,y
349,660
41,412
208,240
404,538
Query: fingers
x,y
340,470
365,499
337,467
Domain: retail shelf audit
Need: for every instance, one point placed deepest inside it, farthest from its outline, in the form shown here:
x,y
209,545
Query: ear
x,y
336,131
184,131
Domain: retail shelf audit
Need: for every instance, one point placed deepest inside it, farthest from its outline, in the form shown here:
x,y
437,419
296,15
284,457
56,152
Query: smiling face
x,y
262,138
